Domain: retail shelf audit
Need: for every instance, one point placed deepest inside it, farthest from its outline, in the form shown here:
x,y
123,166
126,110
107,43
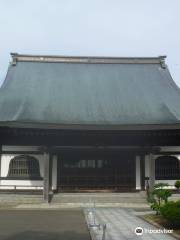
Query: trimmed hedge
x,y
171,212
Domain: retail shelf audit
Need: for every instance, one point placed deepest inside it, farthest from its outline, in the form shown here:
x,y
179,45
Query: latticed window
x,y
24,166
167,167
86,163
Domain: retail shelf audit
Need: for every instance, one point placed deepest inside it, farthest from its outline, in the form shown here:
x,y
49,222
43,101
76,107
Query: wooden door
x,y
115,173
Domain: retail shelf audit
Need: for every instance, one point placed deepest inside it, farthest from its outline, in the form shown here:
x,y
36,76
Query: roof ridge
x,y
87,59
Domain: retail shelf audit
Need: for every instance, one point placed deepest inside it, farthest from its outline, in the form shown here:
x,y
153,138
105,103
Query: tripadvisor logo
x,y
139,231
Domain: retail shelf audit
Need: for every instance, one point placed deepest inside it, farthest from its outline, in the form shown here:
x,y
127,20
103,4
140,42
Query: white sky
x,y
91,27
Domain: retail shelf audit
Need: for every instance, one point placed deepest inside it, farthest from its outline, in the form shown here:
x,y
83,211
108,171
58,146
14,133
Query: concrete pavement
x,y
43,225
121,225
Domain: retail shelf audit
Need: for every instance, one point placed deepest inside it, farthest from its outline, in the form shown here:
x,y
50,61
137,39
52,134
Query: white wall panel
x,y
5,161
138,173
54,173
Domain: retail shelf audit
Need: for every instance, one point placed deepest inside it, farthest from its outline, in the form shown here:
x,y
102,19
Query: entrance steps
x,y
136,200
100,198
75,200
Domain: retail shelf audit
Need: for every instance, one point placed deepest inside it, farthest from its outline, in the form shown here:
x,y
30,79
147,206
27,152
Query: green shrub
x,y
156,207
150,198
159,196
160,185
162,194
177,184
171,212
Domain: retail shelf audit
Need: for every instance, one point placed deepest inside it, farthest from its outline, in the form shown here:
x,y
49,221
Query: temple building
x,y
88,124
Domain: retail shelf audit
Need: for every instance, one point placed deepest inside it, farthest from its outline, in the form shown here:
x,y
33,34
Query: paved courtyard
x,y
43,225
70,225
121,224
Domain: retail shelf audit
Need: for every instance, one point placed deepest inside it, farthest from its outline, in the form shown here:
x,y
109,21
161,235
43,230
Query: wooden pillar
x,y
151,172
0,158
142,164
46,176
50,171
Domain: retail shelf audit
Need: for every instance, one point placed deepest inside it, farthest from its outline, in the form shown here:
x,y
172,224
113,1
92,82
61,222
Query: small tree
x,y
177,185
160,196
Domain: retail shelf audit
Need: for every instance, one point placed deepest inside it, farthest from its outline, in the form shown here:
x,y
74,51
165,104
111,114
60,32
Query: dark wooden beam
x,y
152,173
142,167
50,171
44,137
22,152
0,159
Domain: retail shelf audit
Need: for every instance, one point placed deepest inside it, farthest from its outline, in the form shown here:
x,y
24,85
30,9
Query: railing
x,y
104,232
94,225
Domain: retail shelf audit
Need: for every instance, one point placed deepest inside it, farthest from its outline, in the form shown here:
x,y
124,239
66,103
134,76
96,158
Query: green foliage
x,y
162,195
171,212
159,196
160,185
150,198
177,184
156,207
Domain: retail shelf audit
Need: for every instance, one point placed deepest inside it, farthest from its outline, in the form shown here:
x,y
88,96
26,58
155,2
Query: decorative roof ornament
x,y
14,58
162,61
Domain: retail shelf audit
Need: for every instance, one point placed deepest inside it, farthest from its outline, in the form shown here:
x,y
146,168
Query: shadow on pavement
x,y
35,235
43,225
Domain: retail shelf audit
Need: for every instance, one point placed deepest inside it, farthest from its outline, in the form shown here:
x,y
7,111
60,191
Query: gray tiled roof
x,y
89,91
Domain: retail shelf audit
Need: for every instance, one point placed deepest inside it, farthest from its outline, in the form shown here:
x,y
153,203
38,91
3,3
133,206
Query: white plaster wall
x,y
175,155
6,158
138,173
31,184
21,184
41,164
171,149
54,173
5,161
170,182
147,165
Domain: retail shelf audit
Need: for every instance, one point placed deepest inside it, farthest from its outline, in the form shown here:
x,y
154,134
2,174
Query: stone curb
x,y
82,205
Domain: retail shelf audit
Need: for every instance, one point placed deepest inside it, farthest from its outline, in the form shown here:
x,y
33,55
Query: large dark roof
x,y
55,91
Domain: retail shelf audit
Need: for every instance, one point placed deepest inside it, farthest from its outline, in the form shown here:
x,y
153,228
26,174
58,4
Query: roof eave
x,y
91,126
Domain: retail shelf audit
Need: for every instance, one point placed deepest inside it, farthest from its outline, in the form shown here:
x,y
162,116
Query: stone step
x,y
21,198
82,205
76,198
99,198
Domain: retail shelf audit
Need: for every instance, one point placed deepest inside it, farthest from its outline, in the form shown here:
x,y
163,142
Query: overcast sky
x,y
91,27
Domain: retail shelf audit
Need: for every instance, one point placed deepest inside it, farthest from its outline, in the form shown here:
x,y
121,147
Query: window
x,y
167,167
76,163
86,163
24,166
